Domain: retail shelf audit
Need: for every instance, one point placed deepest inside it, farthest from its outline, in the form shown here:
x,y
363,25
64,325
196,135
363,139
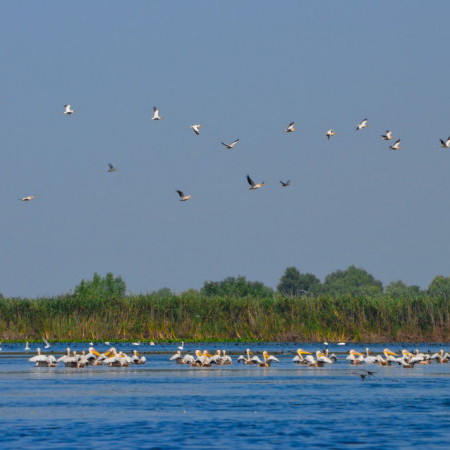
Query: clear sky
x,y
243,70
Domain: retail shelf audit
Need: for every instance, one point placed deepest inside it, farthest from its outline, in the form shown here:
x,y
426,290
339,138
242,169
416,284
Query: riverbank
x,y
199,318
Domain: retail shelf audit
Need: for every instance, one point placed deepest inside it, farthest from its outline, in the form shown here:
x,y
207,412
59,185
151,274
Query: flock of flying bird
x,y
387,136
320,358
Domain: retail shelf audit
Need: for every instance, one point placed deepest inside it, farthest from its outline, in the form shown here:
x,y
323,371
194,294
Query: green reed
x,y
199,318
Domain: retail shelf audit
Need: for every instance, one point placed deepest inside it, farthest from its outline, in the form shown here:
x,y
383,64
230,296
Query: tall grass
x,y
194,317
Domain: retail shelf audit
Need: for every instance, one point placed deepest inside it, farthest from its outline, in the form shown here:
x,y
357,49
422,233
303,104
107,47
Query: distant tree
x,y
163,292
399,289
440,287
236,287
351,281
101,286
293,283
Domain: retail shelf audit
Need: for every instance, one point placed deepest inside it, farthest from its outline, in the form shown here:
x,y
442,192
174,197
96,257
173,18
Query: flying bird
x,y
196,128
183,197
253,185
27,198
387,136
47,344
285,183
445,144
362,124
329,134
231,146
111,168
395,145
290,128
156,115
68,110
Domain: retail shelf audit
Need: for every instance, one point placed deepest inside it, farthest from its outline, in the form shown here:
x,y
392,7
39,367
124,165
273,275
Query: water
x,y
164,405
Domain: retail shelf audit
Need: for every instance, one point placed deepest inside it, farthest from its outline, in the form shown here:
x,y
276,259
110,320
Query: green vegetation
x,y
349,305
197,317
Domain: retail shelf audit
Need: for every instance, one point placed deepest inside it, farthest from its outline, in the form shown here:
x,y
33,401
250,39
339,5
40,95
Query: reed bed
x,y
198,318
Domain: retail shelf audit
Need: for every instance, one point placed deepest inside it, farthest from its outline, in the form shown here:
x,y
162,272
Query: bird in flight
x,y
285,183
68,110
183,197
231,146
196,128
156,115
253,185
28,198
387,136
329,134
290,128
445,144
362,124
395,145
111,168
47,344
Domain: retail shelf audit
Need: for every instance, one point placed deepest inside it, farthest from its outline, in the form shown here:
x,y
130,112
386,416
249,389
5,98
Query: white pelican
x,y
203,359
322,358
0,346
183,197
441,357
395,145
330,133
47,345
151,343
106,342
341,343
246,359
290,128
137,358
390,357
446,143
285,183
387,136
231,146
68,110
156,115
196,128
28,198
355,357
253,185
136,343
268,359
64,357
370,359
362,124
181,347
112,168
298,358
27,347
41,360
406,360
226,359
92,356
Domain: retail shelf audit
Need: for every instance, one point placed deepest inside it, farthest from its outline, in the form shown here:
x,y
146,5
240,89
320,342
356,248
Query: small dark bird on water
x,y
364,375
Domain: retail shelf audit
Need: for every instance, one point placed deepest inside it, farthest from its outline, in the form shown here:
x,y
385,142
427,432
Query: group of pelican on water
x,y
306,358
114,358
92,357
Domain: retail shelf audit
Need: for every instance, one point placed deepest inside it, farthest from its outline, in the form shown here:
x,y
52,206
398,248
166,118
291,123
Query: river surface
x,y
164,405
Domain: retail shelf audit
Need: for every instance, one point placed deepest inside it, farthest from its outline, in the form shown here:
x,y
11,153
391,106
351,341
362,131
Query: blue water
x,y
164,405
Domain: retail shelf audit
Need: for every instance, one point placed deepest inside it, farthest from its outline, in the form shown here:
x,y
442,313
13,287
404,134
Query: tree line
x,y
353,281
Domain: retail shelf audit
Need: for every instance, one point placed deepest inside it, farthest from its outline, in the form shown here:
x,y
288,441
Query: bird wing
x,y
250,181
45,341
181,194
235,142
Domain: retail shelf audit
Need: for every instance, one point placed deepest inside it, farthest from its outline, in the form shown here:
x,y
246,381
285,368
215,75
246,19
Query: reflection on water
x,y
163,405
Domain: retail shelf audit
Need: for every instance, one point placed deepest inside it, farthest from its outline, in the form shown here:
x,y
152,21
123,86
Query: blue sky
x,y
243,70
